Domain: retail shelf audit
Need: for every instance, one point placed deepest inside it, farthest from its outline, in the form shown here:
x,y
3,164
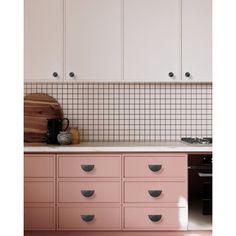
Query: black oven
x,y
200,191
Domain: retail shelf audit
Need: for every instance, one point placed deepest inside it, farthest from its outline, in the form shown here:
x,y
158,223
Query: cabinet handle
x,y
72,74
155,193
155,218
187,74
87,218
87,193
87,168
55,74
155,168
171,74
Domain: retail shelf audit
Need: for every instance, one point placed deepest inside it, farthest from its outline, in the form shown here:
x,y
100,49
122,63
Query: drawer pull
x,y
87,218
155,168
87,193
87,168
155,218
155,193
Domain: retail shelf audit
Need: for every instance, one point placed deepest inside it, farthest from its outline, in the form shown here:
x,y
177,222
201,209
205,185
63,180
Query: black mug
x,y
54,128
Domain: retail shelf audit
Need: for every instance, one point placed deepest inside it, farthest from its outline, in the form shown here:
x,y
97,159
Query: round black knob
x,y
72,74
187,74
171,74
55,74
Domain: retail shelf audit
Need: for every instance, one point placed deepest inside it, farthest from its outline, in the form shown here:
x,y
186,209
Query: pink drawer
x,y
89,218
156,166
39,165
156,218
155,192
38,191
39,218
96,165
89,192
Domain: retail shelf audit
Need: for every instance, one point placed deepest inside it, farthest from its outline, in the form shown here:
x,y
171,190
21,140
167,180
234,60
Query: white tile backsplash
x,y
133,111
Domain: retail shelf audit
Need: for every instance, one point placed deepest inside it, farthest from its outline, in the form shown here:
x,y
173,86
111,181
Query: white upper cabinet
x,y
152,40
93,39
116,40
196,40
43,40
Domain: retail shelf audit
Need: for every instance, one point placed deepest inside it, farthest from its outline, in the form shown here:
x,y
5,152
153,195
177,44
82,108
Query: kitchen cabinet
x,y
118,40
167,40
43,40
89,191
39,192
93,40
196,40
152,40
100,191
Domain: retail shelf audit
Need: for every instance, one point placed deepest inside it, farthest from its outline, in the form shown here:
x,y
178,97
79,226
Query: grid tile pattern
x,y
133,111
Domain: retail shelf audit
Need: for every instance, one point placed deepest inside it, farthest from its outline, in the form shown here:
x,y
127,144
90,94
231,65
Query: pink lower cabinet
x,y
156,192
39,218
156,165
89,166
89,218
89,192
102,191
155,218
39,192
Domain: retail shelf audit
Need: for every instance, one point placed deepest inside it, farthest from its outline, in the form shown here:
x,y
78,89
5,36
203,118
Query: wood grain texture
x,y
39,107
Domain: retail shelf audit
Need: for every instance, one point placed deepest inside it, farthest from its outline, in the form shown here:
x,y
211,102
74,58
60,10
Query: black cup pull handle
x,y
155,218
87,193
67,125
155,193
87,218
87,168
155,168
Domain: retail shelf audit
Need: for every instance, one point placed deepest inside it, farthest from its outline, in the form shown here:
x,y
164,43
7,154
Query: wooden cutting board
x,y
38,107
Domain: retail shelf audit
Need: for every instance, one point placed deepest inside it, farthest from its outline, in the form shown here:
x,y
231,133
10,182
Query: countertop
x,y
118,147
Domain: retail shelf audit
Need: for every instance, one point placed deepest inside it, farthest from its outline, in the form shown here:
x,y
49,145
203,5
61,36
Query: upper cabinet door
x,y
43,40
93,39
197,40
152,40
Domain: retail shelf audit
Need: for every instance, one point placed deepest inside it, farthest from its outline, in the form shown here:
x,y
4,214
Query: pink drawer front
x,y
89,218
156,192
156,166
156,218
38,191
39,165
39,218
89,192
86,166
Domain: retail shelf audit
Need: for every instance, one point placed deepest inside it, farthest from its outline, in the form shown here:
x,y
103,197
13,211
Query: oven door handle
x,y
204,175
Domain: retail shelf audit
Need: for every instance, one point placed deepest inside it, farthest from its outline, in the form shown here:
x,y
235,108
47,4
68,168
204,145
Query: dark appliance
x,y
200,191
54,128
197,140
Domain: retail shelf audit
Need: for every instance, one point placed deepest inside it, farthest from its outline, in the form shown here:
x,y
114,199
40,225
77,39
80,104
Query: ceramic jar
x,y
64,138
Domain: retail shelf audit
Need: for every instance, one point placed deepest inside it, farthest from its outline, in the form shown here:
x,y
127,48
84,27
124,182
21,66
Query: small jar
x,y
75,139
64,138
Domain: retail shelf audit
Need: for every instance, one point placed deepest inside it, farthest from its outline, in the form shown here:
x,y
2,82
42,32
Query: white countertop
x,y
118,147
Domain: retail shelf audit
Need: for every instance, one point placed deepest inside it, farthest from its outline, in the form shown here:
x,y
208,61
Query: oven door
x,y
200,197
